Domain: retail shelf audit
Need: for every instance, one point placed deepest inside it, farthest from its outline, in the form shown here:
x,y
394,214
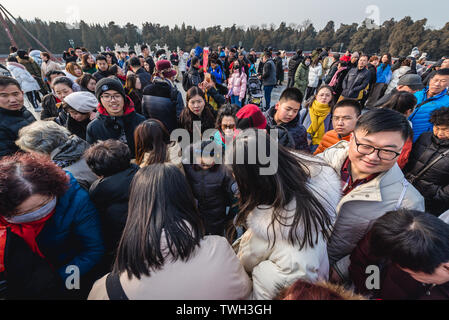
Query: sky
x,y
204,13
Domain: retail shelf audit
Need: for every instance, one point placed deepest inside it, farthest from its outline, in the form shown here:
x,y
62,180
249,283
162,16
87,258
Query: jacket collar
x,y
19,112
129,108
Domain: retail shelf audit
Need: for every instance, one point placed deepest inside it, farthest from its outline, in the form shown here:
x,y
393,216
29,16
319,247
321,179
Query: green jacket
x,y
302,78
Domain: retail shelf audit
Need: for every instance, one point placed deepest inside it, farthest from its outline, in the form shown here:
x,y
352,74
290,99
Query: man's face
x,y
344,120
231,54
439,276
113,102
286,111
363,62
142,62
441,132
11,97
146,51
438,83
371,164
44,58
123,55
102,65
78,52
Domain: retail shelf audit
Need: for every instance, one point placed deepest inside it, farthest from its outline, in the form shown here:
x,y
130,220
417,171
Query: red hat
x,y
165,67
250,116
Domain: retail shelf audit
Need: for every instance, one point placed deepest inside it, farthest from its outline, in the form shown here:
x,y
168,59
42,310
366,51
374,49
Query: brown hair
x,y
373,58
84,62
23,175
303,290
70,67
131,81
45,54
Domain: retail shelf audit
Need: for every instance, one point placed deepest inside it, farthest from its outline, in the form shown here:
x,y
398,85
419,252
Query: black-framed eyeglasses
x,y
383,154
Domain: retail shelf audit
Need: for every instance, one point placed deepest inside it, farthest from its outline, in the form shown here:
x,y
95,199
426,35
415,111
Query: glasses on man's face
x,y
383,154
344,119
107,97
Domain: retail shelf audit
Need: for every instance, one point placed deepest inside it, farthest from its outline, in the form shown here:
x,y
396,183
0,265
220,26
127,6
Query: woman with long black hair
x,y
163,253
197,111
288,213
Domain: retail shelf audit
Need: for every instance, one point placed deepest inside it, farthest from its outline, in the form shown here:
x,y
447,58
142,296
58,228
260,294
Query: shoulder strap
x,y
405,185
423,170
114,287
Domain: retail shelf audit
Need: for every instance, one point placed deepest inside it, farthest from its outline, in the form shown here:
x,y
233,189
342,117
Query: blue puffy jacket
x,y
72,236
421,116
383,75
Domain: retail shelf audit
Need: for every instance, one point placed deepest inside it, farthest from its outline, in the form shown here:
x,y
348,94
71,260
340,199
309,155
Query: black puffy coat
x,y
105,127
293,64
212,190
163,102
110,196
434,183
11,122
26,275
355,81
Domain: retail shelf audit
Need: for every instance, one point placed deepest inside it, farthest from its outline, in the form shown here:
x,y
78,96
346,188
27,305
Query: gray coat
x,y
269,73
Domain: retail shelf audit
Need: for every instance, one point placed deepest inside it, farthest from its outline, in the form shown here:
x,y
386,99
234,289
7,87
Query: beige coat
x,y
49,66
174,156
274,268
357,211
212,273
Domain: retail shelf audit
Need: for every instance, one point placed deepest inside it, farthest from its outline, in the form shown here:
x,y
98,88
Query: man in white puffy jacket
x,y
373,183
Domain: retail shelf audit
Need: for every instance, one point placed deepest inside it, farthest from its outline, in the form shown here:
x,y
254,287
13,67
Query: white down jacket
x,y
25,79
274,268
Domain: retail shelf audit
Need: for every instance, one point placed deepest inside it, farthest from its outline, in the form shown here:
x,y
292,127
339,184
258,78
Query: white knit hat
x,y
82,101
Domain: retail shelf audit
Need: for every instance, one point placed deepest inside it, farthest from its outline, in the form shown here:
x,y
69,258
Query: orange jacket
x,y
329,139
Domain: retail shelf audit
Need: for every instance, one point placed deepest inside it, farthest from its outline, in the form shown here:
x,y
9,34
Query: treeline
x,y
396,37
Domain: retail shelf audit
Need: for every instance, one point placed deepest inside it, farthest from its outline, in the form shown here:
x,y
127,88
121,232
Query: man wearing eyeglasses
x,y
372,182
116,118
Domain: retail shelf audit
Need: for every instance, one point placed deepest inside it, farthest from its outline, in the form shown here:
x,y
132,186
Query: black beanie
x,y
106,84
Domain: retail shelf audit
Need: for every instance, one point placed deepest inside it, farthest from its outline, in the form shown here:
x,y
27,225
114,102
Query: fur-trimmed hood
x,y
325,186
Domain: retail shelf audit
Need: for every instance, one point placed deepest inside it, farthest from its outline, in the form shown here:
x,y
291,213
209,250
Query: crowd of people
x,y
112,186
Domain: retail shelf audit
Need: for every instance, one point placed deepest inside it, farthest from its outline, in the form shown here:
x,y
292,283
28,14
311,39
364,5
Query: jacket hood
x,y
272,111
129,108
16,64
70,152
